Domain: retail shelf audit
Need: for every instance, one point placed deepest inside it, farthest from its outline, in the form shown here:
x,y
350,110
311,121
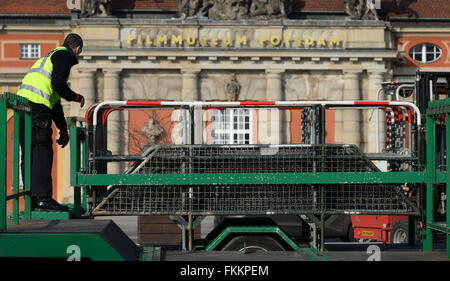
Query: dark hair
x,y
73,40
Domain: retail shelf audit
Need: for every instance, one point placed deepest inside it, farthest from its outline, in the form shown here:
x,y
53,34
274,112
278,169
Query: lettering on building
x,y
237,41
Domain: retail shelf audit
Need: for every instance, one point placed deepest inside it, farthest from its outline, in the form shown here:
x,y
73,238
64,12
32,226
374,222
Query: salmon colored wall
x,y
9,47
139,118
329,126
405,43
296,130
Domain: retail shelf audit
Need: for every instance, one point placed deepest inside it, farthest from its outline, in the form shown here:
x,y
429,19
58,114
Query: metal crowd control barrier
x,y
197,180
19,106
170,175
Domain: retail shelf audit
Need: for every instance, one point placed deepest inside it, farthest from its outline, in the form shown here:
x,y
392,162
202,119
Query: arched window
x,y
425,53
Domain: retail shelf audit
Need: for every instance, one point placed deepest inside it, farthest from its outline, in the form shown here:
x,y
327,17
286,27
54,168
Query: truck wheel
x,y
253,244
350,234
399,232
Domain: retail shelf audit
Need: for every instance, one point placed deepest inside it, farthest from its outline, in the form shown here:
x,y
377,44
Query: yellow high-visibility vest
x,y
37,84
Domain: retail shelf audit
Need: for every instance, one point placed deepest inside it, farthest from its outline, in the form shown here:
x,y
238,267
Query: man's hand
x,y
80,99
63,139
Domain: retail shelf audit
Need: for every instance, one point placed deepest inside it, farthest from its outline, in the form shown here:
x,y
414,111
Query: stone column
x,y
86,86
351,128
190,92
117,128
274,90
274,123
375,79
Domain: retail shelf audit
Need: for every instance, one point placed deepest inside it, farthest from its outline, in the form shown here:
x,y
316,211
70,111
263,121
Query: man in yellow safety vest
x,y
43,86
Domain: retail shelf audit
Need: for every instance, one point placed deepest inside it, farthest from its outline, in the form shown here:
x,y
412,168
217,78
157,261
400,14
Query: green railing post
x,y
15,167
447,144
19,105
84,160
27,164
3,139
431,171
74,168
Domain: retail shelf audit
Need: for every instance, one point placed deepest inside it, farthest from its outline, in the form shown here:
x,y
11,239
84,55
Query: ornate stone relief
x,y
100,8
361,9
151,131
234,9
232,88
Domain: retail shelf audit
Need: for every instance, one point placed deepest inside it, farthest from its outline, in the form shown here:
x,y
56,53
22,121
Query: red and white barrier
x,y
351,104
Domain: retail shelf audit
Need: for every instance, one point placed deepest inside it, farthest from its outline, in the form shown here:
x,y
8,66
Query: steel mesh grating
x,y
194,159
257,199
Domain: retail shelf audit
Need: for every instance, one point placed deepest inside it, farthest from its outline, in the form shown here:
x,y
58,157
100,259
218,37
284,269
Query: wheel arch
x,y
232,228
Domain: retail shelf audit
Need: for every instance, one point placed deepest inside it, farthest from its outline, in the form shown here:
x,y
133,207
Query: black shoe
x,y
47,204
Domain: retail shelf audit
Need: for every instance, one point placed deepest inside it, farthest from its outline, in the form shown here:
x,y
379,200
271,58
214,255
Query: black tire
x,y
399,232
350,235
253,244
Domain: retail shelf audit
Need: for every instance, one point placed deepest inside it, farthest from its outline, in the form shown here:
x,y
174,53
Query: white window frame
x,y
228,126
422,50
29,50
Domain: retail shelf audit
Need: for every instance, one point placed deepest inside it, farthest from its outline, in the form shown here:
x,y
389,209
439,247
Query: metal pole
x,y
190,232
321,123
377,126
3,140
190,199
27,163
322,231
431,168
16,167
447,131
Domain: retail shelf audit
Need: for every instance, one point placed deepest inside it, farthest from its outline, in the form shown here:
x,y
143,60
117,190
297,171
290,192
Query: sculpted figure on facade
x,y
234,9
101,8
361,9
228,10
267,9
233,88
152,130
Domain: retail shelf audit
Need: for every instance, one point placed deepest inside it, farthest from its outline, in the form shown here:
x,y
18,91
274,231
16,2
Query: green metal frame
x,y
250,178
249,229
430,176
308,253
55,245
39,245
18,105
80,180
79,177
435,110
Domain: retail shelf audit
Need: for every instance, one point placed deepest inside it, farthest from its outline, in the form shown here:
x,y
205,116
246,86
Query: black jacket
x,y
62,63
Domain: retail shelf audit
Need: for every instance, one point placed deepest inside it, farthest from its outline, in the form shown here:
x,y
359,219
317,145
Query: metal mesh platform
x,y
255,199
195,159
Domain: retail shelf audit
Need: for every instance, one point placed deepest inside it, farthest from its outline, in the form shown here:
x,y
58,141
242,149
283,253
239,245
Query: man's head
x,y
74,42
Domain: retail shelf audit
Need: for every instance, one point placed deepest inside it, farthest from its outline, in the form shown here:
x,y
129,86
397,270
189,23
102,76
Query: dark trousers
x,y
41,151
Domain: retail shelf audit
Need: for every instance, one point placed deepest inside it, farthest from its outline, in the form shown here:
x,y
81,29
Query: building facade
x,y
137,50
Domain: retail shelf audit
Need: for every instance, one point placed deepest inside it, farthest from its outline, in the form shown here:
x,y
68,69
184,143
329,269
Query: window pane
x,y
425,53
233,128
29,51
